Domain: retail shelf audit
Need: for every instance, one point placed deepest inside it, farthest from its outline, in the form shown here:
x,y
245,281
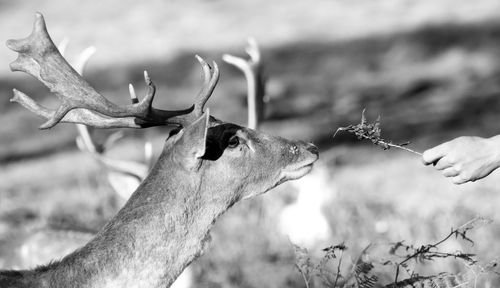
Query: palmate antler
x,y
80,103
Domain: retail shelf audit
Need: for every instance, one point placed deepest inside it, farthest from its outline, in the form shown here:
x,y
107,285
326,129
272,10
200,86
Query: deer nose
x,y
312,148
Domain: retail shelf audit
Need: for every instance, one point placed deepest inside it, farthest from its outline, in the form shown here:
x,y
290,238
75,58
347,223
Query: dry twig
x,y
372,132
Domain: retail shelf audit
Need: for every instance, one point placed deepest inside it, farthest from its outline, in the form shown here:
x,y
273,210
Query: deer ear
x,y
191,146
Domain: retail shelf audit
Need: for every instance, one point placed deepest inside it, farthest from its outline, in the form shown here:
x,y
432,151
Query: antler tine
x,y
30,104
209,82
205,70
151,90
149,83
210,78
80,103
84,141
84,58
63,45
81,116
133,96
252,69
253,50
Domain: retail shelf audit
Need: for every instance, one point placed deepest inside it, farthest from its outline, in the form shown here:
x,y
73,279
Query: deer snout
x,y
312,148
308,154
300,160
309,147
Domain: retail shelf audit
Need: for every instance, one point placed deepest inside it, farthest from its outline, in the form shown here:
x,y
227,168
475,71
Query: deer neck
x,y
160,230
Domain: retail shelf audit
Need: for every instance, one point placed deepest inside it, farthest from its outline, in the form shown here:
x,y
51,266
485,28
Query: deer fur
x,y
42,245
165,224
203,170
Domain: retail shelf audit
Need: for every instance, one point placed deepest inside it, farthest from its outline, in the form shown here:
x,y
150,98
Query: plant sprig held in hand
x,y
372,132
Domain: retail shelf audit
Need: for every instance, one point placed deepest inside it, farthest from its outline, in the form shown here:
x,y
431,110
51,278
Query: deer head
x,y
237,159
206,166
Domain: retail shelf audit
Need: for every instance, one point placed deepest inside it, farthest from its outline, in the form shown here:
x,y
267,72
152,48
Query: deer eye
x,y
233,142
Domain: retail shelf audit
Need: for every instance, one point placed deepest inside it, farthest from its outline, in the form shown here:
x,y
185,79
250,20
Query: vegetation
x,y
362,273
372,132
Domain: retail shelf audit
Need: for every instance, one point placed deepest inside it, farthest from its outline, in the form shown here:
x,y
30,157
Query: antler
x,y
252,69
124,176
80,103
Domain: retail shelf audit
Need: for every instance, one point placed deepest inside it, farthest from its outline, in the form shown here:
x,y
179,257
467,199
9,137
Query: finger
x,y
459,180
450,172
442,164
434,154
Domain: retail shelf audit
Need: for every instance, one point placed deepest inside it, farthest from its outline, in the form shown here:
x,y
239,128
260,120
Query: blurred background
x,y
429,68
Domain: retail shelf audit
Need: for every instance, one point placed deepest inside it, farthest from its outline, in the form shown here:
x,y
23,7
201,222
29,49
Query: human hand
x,y
465,158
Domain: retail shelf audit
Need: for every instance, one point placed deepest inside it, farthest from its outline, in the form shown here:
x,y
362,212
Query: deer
x,y
124,176
206,167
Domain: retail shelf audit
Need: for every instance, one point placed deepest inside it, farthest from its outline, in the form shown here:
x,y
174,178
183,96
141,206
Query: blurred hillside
x,y
430,68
